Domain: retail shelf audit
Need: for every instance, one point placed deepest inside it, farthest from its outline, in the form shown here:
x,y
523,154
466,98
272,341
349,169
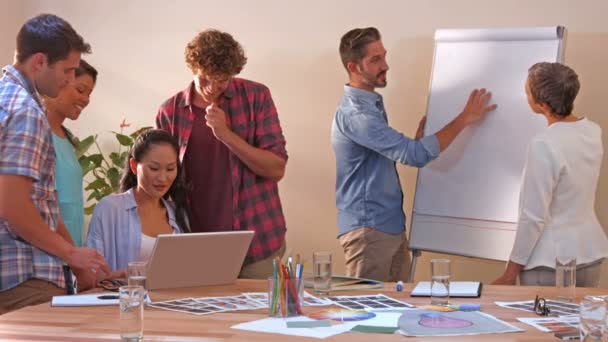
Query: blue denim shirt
x,y
115,228
368,191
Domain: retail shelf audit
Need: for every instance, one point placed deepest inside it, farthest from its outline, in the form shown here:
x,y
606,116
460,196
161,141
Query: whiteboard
x,y
466,201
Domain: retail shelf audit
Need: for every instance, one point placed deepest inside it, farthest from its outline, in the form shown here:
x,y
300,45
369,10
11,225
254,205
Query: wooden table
x,y
46,323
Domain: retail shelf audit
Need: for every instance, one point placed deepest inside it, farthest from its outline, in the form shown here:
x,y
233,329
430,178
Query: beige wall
x,y
11,18
292,47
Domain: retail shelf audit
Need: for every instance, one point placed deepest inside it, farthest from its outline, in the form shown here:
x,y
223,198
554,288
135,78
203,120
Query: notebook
x,y
95,299
465,289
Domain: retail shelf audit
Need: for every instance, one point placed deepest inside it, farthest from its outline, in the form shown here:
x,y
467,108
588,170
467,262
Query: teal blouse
x,y
69,188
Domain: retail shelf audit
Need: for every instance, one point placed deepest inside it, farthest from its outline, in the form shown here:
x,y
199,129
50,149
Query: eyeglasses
x,y
540,306
112,284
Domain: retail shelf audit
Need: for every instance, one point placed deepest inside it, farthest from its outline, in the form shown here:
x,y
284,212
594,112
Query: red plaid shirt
x,y
252,116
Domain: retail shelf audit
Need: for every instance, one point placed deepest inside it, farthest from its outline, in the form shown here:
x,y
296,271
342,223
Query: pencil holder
x,y
285,297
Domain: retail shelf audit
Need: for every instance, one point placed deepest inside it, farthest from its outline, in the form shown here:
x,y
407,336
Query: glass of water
x,y
136,273
322,272
593,319
440,281
131,313
565,277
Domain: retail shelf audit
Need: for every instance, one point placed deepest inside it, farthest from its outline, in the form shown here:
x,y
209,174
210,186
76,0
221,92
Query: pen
x,y
108,297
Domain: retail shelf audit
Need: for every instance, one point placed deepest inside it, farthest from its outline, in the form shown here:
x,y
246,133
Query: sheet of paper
x,y
233,303
188,305
86,299
279,325
309,300
552,324
556,308
457,323
377,302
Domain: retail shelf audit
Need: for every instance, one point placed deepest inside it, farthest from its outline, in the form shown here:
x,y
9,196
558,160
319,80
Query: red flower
x,y
124,124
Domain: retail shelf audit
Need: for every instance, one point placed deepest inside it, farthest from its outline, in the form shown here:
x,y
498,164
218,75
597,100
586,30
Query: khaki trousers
x,y
262,269
376,255
30,292
586,275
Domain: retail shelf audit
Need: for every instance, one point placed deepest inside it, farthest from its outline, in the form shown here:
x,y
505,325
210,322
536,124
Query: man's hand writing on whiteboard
x,y
477,106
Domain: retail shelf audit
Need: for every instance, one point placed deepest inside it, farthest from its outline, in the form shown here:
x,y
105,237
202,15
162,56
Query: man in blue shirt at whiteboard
x,y
371,221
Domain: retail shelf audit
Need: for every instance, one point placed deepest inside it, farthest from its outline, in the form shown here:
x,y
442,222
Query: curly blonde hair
x,y
215,54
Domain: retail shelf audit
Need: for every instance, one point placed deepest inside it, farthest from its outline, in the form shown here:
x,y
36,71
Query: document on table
x,y
94,299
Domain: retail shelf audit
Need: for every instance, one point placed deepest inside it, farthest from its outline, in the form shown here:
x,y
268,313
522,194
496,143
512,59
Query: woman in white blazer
x,y
557,197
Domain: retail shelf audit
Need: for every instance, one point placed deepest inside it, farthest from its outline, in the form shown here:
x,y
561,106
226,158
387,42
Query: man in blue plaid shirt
x,y
34,242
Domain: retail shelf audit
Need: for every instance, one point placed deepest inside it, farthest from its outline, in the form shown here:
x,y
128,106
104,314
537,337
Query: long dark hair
x,y
177,192
84,68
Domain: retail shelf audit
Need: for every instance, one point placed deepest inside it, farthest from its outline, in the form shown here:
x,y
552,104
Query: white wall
x,y
292,47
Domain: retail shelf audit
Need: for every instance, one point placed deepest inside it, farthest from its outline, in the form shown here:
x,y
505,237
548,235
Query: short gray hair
x,y
554,84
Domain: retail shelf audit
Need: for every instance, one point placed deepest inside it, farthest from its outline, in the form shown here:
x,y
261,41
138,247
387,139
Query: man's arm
x,y
62,230
262,162
87,279
475,109
17,208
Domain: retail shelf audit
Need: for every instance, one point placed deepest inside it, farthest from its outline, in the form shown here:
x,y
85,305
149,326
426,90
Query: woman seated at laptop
x,y
124,226
557,199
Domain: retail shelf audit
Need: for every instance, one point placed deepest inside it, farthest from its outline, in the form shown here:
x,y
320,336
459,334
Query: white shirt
x,y
557,197
146,247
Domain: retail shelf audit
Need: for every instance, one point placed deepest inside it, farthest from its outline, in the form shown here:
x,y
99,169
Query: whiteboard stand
x,y
415,254
463,206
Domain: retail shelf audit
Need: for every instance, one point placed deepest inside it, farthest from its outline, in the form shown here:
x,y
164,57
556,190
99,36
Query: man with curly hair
x,y
232,148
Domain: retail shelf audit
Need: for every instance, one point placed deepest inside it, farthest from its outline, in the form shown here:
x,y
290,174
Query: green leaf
x,y
135,134
124,140
89,210
115,157
96,159
94,195
123,158
83,146
86,167
114,177
97,184
107,191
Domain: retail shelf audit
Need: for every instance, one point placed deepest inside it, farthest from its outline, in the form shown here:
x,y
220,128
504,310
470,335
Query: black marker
x,y
108,297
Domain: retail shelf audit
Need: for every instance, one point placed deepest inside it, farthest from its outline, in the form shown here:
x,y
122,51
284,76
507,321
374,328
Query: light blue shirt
x,y
69,188
115,228
368,191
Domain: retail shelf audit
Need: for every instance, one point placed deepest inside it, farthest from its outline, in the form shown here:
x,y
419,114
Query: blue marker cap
x,y
399,285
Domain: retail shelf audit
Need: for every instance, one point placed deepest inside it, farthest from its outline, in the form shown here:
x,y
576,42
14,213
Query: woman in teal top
x,y
68,105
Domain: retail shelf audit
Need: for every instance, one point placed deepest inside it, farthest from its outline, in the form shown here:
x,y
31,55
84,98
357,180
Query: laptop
x,y
197,259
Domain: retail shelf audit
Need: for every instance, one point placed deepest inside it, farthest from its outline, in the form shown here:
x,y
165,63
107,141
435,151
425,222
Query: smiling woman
x,y
68,104
124,226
